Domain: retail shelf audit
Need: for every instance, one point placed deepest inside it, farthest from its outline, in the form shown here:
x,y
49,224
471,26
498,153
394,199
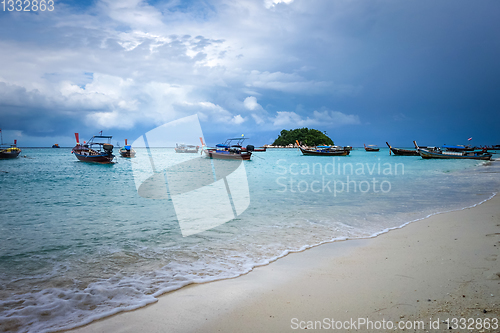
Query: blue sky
x,y
364,71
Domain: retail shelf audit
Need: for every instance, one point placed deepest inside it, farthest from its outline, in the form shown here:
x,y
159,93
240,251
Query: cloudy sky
x,y
364,71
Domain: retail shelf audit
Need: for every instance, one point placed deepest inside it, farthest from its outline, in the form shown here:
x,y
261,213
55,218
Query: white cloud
x,y
285,118
210,112
272,3
238,119
251,103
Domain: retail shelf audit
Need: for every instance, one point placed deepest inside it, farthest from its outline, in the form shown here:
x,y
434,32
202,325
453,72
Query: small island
x,y
308,137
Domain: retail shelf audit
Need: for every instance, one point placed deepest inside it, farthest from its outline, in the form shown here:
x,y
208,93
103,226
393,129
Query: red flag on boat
x,y
469,139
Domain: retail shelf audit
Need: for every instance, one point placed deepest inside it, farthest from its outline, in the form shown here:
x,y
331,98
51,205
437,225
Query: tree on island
x,y
306,136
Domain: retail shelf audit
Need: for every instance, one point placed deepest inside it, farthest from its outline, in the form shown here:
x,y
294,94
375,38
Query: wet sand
x,y
446,266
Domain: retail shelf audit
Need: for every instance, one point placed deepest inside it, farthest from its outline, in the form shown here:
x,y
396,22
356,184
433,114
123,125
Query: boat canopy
x,y
324,147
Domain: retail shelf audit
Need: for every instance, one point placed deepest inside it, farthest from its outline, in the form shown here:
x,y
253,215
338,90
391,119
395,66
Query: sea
x,y
80,241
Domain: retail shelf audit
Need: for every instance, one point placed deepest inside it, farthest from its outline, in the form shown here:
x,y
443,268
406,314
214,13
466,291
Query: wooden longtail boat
x,y
94,151
324,151
8,152
402,152
436,152
371,148
127,150
186,149
228,150
259,149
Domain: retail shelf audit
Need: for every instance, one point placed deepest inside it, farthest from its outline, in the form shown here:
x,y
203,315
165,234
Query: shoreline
x,y
221,305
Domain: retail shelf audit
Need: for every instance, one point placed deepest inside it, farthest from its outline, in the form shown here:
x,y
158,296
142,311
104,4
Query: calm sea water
x,y
78,243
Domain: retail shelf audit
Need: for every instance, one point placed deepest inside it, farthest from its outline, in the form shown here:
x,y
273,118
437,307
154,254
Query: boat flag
x,y
469,139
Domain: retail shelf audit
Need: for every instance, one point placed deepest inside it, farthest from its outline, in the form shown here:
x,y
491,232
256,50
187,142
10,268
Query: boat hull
x,y
186,151
95,158
404,152
306,152
227,155
444,155
127,153
9,154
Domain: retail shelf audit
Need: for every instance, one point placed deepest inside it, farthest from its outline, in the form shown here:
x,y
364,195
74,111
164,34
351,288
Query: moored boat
x,y
324,150
55,145
436,152
229,150
261,149
127,150
494,147
95,150
186,149
402,152
8,152
371,148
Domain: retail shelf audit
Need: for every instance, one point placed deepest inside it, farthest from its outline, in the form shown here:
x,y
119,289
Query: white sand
x,y
440,267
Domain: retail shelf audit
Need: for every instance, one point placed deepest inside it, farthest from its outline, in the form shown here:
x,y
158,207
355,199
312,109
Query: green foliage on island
x,y
306,136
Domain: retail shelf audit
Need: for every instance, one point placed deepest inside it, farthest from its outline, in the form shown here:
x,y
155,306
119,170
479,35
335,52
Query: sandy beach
x,y
430,275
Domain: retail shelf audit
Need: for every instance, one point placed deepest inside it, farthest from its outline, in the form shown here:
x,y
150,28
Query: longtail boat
x,y
371,148
229,150
94,150
257,149
436,152
8,152
186,149
494,147
402,152
324,150
127,150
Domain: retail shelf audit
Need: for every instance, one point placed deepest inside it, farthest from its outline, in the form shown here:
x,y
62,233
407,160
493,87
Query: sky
x,y
363,71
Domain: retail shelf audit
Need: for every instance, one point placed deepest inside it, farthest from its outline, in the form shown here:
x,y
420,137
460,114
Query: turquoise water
x,y
78,243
